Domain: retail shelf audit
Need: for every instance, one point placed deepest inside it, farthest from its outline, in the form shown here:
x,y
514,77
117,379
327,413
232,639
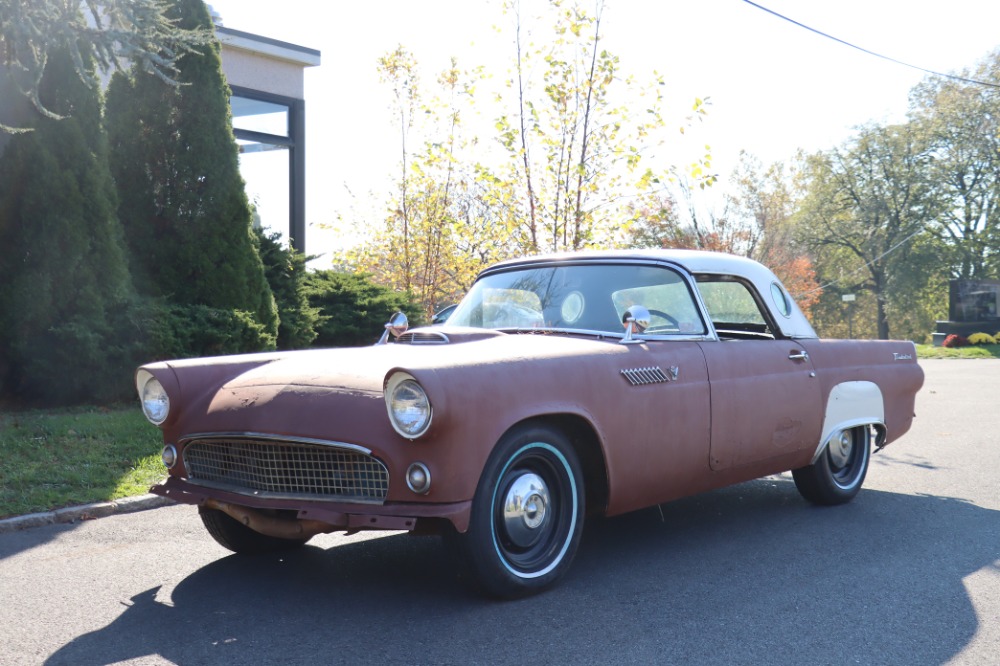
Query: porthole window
x,y
781,300
572,307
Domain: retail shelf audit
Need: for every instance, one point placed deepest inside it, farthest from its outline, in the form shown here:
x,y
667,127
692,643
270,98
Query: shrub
x,y
285,269
982,339
354,309
954,341
183,331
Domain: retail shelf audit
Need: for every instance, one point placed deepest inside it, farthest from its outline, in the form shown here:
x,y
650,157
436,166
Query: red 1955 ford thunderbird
x,y
561,386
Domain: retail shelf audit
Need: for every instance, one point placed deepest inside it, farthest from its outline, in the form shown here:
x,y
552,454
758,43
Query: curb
x,y
73,514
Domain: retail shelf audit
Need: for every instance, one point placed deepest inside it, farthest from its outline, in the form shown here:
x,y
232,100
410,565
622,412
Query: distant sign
x,y
847,298
974,300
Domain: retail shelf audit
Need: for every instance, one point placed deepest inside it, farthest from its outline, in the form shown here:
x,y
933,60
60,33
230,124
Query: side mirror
x,y
396,325
635,320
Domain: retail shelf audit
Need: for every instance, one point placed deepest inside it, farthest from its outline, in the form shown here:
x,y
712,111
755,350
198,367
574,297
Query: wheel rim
x,y
846,455
534,511
526,515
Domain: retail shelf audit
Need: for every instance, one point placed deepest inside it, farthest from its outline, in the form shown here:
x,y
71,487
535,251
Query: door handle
x,y
799,355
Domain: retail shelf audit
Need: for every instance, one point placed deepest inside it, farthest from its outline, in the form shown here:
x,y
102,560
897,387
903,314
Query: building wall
x,y
250,70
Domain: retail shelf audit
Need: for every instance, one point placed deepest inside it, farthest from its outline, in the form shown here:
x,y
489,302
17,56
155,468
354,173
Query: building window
x,y
269,130
256,115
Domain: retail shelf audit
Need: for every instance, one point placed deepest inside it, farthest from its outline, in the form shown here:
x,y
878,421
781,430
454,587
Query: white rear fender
x,y
852,404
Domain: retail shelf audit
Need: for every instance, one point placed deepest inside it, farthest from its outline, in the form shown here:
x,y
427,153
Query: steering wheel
x,y
663,315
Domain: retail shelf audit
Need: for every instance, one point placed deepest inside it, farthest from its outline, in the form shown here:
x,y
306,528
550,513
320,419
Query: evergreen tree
x,y
183,206
30,32
63,265
286,274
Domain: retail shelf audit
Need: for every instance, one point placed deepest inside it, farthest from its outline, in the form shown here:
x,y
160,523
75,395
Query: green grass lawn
x,y
54,458
975,351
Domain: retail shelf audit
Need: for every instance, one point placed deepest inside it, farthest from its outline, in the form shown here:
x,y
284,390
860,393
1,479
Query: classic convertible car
x,y
560,387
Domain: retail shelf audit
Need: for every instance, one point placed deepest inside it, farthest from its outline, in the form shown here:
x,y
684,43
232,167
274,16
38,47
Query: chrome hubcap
x,y
840,449
526,509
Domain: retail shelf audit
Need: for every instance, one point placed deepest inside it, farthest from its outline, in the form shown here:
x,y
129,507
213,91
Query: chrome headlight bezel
x,y
153,397
408,405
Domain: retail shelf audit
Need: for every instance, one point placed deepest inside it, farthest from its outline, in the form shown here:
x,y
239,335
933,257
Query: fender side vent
x,y
643,376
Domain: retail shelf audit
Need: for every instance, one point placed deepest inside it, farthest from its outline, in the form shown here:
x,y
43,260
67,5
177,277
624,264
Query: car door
x,y
656,423
765,401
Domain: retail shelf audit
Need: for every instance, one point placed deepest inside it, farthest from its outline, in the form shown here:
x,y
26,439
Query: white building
x,y
267,80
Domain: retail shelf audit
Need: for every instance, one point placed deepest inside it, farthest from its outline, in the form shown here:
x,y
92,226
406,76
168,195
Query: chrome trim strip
x,y
258,494
275,438
642,337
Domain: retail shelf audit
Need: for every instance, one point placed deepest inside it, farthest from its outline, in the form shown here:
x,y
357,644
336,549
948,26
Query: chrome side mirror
x,y
396,325
635,320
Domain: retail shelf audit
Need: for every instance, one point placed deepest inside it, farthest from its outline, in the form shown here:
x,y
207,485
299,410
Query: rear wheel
x,y
237,537
837,475
527,514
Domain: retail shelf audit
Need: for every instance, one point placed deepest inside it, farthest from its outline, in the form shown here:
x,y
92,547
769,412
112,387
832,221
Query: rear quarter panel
x,y
890,364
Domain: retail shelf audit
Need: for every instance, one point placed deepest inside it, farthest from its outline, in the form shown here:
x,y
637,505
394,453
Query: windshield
x,y
585,297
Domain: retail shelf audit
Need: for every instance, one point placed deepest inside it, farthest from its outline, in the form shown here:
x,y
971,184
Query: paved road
x,y
906,574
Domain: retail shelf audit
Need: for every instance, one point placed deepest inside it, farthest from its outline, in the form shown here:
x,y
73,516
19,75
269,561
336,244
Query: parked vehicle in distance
x,y
561,386
441,316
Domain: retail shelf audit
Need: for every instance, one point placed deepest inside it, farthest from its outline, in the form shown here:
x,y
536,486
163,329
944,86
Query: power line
x,y
866,264
872,53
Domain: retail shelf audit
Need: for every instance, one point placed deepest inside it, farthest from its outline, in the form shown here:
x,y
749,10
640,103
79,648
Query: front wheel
x,y
837,475
527,514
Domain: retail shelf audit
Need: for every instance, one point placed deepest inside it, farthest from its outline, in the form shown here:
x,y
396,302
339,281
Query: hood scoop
x,y
422,337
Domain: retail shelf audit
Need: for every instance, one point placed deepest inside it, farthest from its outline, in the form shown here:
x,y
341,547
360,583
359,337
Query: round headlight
x,y
155,401
409,407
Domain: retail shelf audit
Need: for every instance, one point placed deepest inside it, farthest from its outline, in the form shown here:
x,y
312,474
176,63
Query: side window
x,y
734,308
670,304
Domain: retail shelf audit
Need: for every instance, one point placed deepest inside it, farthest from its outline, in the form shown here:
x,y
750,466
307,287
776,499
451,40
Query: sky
x,y
774,87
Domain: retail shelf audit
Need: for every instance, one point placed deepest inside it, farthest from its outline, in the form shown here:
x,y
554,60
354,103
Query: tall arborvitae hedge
x,y
286,274
64,280
183,206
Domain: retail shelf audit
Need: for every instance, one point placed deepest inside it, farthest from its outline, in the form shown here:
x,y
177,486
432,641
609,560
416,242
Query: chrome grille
x,y
286,469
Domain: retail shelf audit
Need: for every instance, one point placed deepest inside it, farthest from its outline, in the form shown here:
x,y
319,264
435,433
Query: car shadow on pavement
x,y
748,574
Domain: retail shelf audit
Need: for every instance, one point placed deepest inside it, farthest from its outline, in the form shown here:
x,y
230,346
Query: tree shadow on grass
x,y
748,574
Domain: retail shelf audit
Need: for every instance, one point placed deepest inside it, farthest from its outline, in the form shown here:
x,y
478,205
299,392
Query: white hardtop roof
x,y
695,261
